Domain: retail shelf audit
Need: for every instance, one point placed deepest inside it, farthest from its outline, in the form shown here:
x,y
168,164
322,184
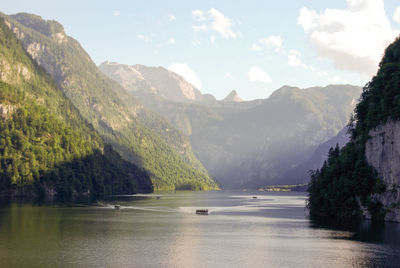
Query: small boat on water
x,y
117,206
202,211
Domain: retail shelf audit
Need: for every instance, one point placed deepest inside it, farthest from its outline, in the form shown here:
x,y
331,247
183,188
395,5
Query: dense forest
x,y
46,147
346,182
140,136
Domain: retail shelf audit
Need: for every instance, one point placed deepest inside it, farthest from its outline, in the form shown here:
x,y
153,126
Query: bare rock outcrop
x,y
382,151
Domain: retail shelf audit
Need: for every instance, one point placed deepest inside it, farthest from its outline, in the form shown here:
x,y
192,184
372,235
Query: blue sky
x,y
251,46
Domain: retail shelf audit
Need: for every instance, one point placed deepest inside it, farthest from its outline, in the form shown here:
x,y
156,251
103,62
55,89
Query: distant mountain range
x,y
245,143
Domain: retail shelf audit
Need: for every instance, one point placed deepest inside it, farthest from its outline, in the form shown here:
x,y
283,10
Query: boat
x,y
202,211
117,206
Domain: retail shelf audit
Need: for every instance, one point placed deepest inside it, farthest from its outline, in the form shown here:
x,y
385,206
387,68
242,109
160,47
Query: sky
x,y
251,46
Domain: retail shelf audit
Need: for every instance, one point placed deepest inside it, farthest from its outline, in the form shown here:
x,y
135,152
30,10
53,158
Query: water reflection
x,y
269,231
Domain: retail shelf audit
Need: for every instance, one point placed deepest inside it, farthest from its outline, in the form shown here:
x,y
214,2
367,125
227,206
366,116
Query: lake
x,y
240,231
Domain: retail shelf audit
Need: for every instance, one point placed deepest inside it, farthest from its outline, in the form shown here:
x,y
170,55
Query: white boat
x,y
202,211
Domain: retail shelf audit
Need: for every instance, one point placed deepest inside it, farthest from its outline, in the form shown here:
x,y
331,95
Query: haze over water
x,y
240,231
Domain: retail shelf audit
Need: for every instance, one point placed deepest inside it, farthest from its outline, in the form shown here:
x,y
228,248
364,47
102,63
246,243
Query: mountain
x,y
46,147
259,144
232,97
300,173
251,143
139,135
157,80
362,179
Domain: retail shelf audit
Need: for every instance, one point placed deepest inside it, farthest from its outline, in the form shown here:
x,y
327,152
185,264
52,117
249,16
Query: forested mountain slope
x,y
141,136
46,147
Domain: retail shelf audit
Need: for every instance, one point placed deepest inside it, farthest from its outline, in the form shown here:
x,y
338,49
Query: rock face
x,y
382,151
6,110
157,80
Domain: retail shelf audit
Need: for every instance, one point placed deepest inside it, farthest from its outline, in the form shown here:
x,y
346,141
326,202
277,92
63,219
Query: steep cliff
x,y
382,151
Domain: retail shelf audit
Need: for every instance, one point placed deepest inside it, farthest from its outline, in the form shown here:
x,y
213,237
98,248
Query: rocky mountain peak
x,y
159,80
233,97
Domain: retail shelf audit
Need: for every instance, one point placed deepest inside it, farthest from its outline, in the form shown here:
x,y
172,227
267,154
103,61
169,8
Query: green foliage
x,y
346,181
140,136
45,145
380,100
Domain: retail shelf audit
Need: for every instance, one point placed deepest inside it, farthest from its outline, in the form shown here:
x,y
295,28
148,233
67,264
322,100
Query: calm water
x,y
270,231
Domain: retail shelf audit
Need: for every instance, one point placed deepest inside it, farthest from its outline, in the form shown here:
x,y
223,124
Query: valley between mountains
x,y
162,124
245,144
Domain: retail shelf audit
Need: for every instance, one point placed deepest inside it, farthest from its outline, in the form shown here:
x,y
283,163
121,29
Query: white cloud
x,y
256,74
338,80
171,17
255,47
294,58
273,41
322,74
198,28
221,24
145,38
306,19
354,39
171,41
116,13
184,70
212,39
396,15
228,75
214,21
198,15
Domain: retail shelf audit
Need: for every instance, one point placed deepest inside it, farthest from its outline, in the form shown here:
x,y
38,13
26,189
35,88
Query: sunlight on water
x,y
163,230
